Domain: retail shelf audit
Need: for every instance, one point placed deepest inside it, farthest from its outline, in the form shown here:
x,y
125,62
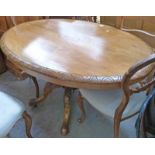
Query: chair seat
x,y
106,101
11,111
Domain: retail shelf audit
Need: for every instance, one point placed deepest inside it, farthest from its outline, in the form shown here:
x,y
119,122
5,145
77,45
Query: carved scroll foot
x,y
67,111
80,104
47,89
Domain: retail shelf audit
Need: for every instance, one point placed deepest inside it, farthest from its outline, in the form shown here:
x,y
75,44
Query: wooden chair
x,y
109,102
141,26
14,20
11,110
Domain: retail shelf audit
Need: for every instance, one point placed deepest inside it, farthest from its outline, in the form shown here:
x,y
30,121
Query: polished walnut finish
x,y
74,53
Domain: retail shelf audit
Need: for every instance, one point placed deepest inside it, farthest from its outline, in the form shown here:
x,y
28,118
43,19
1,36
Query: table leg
x,y
67,111
36,85
47,89
81,106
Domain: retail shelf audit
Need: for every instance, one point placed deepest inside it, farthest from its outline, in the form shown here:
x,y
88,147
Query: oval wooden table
x,y
73,54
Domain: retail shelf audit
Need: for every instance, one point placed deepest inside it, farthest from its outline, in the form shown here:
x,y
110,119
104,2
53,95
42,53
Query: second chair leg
x,y
28,124
118,114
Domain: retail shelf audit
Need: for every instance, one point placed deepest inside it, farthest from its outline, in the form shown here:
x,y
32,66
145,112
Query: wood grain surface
x,y
74,53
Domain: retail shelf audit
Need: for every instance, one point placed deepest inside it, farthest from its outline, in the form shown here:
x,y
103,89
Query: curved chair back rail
x,y
109,102
128,90
147,36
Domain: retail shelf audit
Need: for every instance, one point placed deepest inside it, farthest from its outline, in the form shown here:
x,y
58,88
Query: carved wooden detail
x,y
21,75
84,78
49,87
74,54
129,90
145,29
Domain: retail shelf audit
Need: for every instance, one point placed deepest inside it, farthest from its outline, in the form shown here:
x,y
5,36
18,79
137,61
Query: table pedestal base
x,y
67,106
67,111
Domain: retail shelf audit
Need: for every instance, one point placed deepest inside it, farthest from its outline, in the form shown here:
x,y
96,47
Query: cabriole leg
x,y
36,85
47,89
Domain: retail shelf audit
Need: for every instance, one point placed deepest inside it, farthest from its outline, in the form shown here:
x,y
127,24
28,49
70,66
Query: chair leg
x,y
117,121
28,124
118,114
81,106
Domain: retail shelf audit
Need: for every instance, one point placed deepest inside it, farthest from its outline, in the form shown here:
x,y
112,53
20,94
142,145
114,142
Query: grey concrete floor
x,y
47,118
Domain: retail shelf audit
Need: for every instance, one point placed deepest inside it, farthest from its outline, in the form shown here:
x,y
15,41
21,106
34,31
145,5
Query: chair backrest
x,y
129,88
3,25
147,79
14,20
142,26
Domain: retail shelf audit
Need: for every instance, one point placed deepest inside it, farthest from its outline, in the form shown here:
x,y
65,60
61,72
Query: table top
x,y
74,53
